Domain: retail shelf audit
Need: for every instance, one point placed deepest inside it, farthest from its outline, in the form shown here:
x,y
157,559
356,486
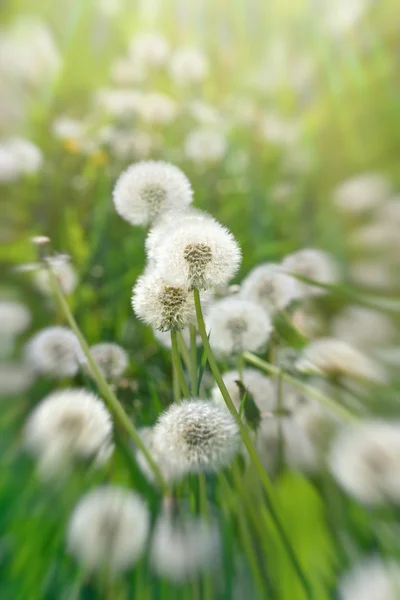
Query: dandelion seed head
x,y
149,49
313,264
362,193
196,435
257,384
108,528
62,269
170,472
147,189
15,318
111,359
119,103
18,157
270,287
371,579
237,325
157,109
188,66
363,327
55,352
372,274
205,146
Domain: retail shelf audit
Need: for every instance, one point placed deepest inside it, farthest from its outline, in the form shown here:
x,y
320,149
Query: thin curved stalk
x,y
176,361
193,359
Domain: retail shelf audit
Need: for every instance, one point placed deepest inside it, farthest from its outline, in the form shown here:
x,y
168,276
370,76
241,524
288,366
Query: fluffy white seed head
x,y
111,359
363,327
371,579
146,189
15,317
329,356
162,305
362,193
157,109
64,272
365,461
196,435
201,254
257,384
184,546
170,472
372,274
313,264
15,378
108,529
118,103
237,325
67,424
188,65
205,146
279,130
18,157
149,49
54,351
270,287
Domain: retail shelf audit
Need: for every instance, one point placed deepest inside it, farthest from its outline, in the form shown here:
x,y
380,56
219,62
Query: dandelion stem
x,y
176,361
193,359
340,410
110,398
266,483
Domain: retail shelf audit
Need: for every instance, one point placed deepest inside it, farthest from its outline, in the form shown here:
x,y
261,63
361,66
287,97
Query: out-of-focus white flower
x,y
390,212
67,424
127,71
313,264
135,144
170,472
15,318
237,325
279,130
389,356
15,378
157,109
62,269
54,351
379,236
147,189
111,359
372,273
73,130
365,460
183,546
188,65
18,157
205,146
363,327
149,49
196,435
257,384
109,8
329,356
371,579
161,305
108,529
200,254
308,322
205,114
342,15
361,193
270,287
119,103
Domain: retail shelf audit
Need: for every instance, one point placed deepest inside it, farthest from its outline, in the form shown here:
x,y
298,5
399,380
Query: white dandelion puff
x,y
67,424
201,254
312,264
205,146
18,157
162,305
331,357
15,318
365,460
257,384
108,529
67,128
55,352
149,49
63,271
372,274
362,193
237,326
279,130
111,359
147,189
183,546
363,327
196,435
128,145
157,109
371,579
270,287
127,71
15,378
170,472
119,103
188,65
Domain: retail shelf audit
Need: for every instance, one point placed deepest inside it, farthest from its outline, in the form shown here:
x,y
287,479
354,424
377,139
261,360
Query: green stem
x,y
249,445
176,361
193,359
175,384
183,350
110,398
340,410
204,511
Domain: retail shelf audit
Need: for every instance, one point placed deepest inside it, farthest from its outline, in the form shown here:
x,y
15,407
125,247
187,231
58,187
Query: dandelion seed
x,y
329,356
361,193
55,352
270,287
67,424
108,529
205,146
196,435
111,359
188,66
201,254
237,325
15,318
184,546
257,384
147,189
365,461
371,579
313,264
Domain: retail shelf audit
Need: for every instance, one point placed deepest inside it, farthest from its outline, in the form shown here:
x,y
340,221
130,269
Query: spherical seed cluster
x,y
205,146
329,356
108,529
184,546
110,358
161,305
18,157
270,287
362,193
196,435
55,352
237,325
147,189
67,424
170,472
15,317
371,579
149,49
188,65
363,327
64,272
312,264
257,384
365,461
201,254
